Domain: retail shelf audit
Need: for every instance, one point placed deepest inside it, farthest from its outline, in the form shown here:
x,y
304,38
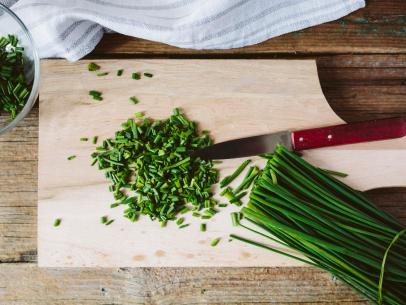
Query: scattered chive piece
x,y
206,217
195,214
93,67
184,226
103,219
184,210
94,140
120,72
136,76
139,114
96,95
84,139
133,100
109,222
114,205
148,74
180,221
227,180
71,157
235,218
102,73
203,227
252,173
163,223
214,242
57,222
222,205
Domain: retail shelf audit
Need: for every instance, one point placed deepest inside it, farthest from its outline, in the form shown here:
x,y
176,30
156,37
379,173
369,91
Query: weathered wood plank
x,y
28,285
380,27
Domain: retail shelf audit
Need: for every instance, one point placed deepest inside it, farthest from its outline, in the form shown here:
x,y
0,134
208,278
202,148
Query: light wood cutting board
x,y
231,98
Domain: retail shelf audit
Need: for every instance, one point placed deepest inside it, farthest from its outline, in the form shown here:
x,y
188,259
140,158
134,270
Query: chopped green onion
x,y
133,100
148,74
94,140
180,221
109,222
227,180
184,226
103,219
203,227
120,72
71,157
93,67
102,73
136,76
57,222
139,114
84,139
214,242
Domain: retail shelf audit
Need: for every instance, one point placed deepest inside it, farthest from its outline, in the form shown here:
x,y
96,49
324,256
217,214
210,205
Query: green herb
x,y
102,73
94,140
230,195
332,226
103,219
203,227
57,222
114,205
148,74
214,242
109,222
139,114
133,100
184,210
180,221
223,205
93,67
120,72
227,180
184,226
136,75
84,139
96,95
195,214
235,218
14,87
71,157
248,179
151,172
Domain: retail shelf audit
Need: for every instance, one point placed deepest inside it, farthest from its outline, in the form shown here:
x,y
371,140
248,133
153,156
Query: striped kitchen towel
x,y
72,28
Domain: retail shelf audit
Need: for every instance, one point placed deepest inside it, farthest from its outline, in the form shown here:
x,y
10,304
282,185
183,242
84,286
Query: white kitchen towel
x,y
72,28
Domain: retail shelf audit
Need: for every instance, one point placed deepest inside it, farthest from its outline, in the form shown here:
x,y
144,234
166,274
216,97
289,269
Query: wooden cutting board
x,y
231,98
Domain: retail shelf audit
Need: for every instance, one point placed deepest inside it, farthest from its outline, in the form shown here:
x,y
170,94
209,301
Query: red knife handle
x,y
349,133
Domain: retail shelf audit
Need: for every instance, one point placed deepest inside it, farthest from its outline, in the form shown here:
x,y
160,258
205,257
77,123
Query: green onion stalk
x,y
332,226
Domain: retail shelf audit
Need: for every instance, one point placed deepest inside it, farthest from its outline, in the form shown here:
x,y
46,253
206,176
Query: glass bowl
x,y
11,24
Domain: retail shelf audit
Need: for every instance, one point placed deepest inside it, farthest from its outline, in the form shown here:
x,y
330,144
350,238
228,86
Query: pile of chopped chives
x,y
149,165
14,89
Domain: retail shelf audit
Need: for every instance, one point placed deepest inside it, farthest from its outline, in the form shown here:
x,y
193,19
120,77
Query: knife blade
x,y
352,133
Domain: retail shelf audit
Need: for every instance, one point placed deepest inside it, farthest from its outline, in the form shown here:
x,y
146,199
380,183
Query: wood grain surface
x,y
362,86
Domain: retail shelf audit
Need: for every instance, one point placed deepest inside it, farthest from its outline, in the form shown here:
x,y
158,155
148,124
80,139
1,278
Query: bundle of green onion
x,y
334,227
14,89
152,173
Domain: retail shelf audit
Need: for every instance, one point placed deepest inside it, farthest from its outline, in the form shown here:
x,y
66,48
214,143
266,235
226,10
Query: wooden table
x,y
362,68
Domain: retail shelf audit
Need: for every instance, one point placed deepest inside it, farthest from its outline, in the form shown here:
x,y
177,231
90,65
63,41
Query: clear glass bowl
x,y
11,24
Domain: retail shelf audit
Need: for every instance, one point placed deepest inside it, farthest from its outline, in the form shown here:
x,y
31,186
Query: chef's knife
x,y
359,132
